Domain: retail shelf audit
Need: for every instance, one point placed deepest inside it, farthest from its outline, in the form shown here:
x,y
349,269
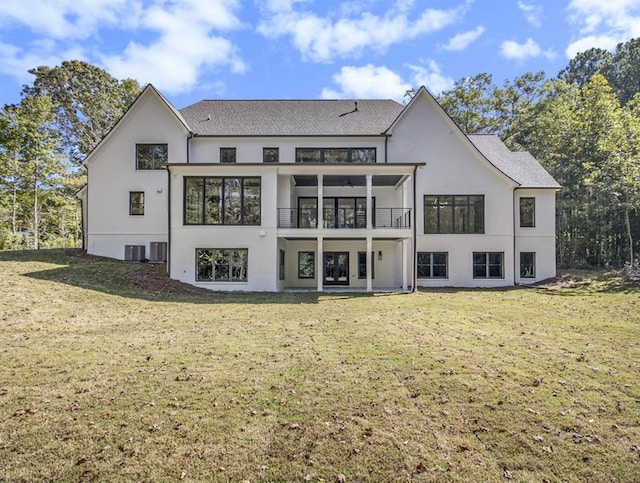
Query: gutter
x,y
169,217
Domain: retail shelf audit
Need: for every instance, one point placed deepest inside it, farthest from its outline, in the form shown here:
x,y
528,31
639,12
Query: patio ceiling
x,y
345,180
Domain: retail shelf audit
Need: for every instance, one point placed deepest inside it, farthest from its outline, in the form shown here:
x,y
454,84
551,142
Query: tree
x,y
624,71
32,167
585,65
88,101
470,104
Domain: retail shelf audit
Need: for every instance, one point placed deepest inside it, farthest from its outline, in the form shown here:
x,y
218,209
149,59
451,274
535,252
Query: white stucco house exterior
x,y
271,195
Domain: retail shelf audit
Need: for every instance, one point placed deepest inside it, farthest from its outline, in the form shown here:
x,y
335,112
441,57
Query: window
x,y
281,271
136,202
306,264
222,264
527,212
151,156
362,265
488,265
221,201
227,155
527,265
335,155
270,155
432,264
454,214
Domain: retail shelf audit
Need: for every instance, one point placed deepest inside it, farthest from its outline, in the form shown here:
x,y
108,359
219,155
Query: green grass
x,y
109,374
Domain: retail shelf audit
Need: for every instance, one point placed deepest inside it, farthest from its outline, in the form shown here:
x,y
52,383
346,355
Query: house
x,y
271,195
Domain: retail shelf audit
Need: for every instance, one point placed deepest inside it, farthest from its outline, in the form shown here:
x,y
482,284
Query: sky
x,y
305,49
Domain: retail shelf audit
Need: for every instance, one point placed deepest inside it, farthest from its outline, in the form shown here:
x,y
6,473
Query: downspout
x,y
513,204
386,148
191,135
415,234
169,218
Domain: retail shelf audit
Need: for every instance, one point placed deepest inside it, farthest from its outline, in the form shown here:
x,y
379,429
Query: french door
x,y
336,268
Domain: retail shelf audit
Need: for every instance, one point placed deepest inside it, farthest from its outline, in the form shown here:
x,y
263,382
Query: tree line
x,y
583,125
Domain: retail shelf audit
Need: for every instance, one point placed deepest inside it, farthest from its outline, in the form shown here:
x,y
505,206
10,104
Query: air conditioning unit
x,y
158,252
134,253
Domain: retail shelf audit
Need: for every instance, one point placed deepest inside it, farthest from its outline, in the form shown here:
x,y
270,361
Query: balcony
x,y
344,218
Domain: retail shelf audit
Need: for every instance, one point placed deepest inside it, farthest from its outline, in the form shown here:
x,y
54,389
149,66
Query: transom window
x,y
270,155
151,156
527,212
221,201
335,155
227,155
432,264
221,264
454,214
136,202
488,265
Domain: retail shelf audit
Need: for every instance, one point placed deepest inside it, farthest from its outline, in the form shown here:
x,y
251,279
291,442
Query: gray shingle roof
x,y
291,117
522,167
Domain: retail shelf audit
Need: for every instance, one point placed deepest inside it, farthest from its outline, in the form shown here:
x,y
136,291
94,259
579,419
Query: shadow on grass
x,y
146,281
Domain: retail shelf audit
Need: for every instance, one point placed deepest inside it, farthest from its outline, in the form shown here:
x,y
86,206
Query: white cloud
x,y
431,77
532,12
603,24
322,39
185,36
380,82
530,49
463,40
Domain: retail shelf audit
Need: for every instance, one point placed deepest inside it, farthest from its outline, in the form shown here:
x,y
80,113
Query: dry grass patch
x,y
110,372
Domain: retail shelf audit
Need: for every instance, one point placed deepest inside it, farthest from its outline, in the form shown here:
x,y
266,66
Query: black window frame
x,y
488,265
322,154
312,256
281,265
425,269
231,152
222,200
362,267
524,264
270,152
528,212
442,204
154,162
133,203
215,269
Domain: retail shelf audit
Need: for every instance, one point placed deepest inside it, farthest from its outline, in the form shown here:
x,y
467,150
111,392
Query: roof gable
x,y
148,92
362,117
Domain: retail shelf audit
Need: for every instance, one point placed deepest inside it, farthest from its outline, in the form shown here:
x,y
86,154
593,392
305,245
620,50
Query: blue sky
x,y
280,49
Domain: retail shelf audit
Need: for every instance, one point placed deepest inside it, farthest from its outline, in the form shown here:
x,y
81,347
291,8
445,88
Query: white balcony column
x,y
405,276
368,261
319,264
319,221
369,203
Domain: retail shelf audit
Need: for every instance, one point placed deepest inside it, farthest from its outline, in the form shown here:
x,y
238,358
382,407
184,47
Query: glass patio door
x,y
336,268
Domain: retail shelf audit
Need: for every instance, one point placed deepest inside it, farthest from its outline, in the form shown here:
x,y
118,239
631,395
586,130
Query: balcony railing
x,y
343,218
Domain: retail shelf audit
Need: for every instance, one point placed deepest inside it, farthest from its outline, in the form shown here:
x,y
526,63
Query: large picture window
x,y
488,265
432,264
336,155
151,156
222,264
527,212
221,201
454,214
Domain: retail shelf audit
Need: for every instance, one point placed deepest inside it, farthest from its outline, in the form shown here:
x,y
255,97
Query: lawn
x,y
110,373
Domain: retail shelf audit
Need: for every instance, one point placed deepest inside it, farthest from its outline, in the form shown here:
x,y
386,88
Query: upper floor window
x,y
151,156
527,212
227,155
136,202
336,155
270,155
454,214
221,201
